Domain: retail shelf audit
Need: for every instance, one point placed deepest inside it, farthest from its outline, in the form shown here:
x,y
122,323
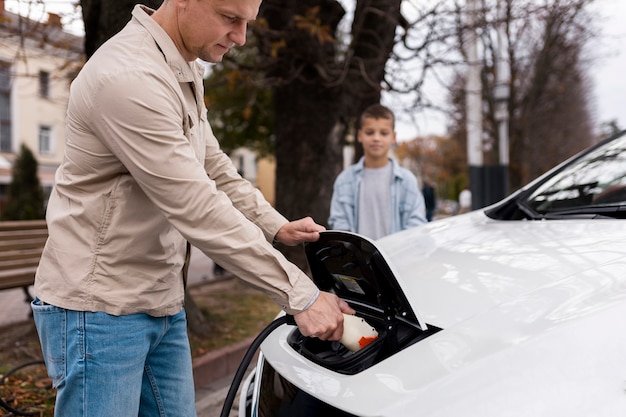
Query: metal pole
x,y
473,99
501,96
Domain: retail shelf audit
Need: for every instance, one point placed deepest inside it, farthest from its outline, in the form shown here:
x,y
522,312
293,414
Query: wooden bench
x,y
21,244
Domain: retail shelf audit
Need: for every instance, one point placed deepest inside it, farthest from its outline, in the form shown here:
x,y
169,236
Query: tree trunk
x,y
104,18
309,142
326,93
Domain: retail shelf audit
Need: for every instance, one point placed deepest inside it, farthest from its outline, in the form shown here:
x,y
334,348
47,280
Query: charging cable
x,y
3,404
247,358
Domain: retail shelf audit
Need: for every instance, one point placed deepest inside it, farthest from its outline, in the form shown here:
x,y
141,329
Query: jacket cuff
x,y
270,224
302,295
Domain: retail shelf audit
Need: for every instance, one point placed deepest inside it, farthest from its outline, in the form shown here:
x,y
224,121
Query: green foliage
x,y
24,196
241,109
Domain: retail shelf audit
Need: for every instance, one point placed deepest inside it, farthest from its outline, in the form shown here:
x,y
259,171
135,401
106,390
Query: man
x,y
376,197
142,174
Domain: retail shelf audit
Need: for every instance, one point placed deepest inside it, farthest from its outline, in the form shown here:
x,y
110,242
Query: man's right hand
x,y
324,318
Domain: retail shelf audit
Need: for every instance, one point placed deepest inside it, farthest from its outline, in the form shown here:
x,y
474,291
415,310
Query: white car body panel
x,y
533,313
526,315
473,262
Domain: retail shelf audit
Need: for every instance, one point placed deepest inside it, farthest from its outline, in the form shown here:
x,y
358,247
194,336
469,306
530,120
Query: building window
x,y
45,139
44,84
5,107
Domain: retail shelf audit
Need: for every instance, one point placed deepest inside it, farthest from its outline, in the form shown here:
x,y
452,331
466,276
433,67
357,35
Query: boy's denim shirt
x,y
408,208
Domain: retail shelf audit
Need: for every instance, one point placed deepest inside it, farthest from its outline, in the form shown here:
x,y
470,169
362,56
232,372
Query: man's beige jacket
x,y
142,174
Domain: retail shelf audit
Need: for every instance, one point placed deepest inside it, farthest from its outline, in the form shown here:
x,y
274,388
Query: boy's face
x,y
376,136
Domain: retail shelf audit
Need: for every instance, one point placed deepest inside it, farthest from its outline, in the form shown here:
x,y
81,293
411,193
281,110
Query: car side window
x,y
597,179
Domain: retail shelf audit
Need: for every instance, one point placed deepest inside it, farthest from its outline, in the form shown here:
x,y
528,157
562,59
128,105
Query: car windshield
x,y
593,184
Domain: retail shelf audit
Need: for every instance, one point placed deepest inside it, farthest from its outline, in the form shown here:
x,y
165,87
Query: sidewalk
x,y
210,399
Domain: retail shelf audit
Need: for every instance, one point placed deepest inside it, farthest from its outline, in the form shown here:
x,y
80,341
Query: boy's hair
x,y
377,111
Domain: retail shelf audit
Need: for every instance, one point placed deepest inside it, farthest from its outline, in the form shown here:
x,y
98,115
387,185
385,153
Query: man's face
x,y
209,28
376,136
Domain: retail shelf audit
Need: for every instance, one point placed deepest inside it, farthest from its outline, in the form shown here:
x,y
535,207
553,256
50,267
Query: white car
x,y
515,310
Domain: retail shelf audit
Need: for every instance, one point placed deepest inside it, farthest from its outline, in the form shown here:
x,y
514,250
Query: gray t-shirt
x,y
375,202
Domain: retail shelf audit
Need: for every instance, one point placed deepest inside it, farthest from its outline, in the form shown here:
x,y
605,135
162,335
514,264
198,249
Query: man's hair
x,y
377,111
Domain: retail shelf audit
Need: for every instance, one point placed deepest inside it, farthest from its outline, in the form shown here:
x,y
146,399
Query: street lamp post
x,y
501,98
501,95
488,184
473,108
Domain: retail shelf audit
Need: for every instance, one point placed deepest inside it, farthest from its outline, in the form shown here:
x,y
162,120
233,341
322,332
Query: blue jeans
x,y
104,365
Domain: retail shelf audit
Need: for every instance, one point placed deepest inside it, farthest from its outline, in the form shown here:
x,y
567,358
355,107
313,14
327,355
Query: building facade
x,y
38,61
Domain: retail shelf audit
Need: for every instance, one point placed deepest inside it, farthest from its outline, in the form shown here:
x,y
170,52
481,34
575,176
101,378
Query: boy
x,y
376,197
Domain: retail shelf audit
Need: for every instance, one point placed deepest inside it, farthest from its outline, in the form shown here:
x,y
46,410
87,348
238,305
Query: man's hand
x,y
299,231
324,319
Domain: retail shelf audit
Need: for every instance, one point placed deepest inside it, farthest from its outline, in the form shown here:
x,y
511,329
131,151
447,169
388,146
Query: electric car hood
x,y
530,315
455,269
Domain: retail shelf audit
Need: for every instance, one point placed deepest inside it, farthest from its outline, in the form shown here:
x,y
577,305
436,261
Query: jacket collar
x,y
182,69
394,166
